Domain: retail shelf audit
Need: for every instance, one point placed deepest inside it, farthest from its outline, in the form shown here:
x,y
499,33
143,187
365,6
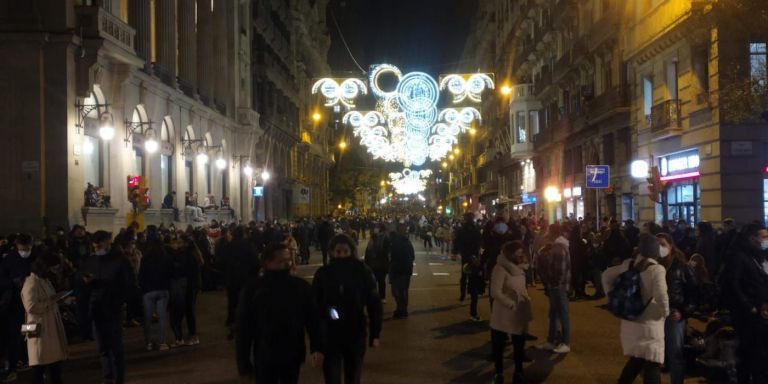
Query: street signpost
x,y
598,177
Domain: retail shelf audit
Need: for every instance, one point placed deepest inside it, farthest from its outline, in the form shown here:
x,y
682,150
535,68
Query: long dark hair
x,y
674,252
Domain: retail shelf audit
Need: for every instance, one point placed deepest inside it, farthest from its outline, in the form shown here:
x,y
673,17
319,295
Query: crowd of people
x,y
85,286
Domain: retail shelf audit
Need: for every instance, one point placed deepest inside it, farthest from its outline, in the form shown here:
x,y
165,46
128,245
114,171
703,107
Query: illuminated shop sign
x,y
681,165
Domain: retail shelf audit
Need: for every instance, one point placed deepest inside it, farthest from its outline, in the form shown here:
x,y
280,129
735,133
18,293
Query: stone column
x,y
165,36
205,51
220,26
187,47
139,19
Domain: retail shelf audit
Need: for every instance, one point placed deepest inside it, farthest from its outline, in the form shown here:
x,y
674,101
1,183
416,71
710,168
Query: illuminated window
x,y
757,62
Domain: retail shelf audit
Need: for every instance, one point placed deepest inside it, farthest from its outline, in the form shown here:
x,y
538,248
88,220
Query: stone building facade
x,y
611,82
178,72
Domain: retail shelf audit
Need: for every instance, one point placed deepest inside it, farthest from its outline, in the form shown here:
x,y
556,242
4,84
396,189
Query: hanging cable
x,y
343,40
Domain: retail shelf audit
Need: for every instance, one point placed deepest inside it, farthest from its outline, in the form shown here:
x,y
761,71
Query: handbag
x,y
30,330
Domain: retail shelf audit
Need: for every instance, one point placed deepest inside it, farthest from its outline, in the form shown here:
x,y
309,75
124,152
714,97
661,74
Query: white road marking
x,y
433,264
415,274
440,274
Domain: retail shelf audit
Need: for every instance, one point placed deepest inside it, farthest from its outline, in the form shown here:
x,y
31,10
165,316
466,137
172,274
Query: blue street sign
x,y
598,176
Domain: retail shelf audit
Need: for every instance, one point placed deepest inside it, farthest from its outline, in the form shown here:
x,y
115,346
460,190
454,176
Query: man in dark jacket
x,y
466,242
108,277
240,262
345,289
14,270
325,233
274,313
377,258
746,292
401,269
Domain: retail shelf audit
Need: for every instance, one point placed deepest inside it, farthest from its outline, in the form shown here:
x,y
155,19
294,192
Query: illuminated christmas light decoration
x,y
410,182
463,86
336,93
406,125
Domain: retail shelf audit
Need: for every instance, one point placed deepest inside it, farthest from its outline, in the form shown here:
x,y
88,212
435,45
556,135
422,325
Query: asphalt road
x,y
436,344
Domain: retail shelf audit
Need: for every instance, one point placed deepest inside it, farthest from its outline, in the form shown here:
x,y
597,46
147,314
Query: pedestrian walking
x,y
275,312
642,339
108,277
240,262
155,274
48,347
377,258
185,285
555,270
401,269
511,312
466,243
345,289
475,271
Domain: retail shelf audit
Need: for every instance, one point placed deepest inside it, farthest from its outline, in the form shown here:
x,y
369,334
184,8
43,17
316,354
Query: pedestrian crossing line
x,y
434,264
440,274
415,274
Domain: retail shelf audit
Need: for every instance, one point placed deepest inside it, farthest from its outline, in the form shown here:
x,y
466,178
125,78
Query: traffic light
x,y
655,185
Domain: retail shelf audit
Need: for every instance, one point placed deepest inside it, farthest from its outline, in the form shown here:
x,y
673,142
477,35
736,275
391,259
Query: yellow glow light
x,y
342,145
472,131
506,90
456,151
317,116
383,183
445,165
552,194
451,156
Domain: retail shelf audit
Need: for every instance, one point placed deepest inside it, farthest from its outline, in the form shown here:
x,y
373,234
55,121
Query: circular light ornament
x,y
417,92
476,84
456,85
639,169
329,89
376,72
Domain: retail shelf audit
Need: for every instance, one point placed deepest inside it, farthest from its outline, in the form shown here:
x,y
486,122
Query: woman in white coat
x,y
511,310
643,339
49,348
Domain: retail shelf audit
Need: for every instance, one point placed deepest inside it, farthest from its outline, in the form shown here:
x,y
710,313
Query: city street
x,y
436,344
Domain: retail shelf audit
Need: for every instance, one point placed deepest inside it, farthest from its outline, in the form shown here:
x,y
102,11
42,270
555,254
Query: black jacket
x,y
273,313
240,261
403,255
746,283
348,286
681,288
377,253
112,279
466,242
155,271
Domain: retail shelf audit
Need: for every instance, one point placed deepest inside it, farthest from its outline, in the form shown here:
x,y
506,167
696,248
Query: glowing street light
x,y
316,117
552,194
221,163
451,156
265,176
342,145
456,151
445,165
151,145
472,131
506,90
639,169
202,157
247,170
106,129
383,183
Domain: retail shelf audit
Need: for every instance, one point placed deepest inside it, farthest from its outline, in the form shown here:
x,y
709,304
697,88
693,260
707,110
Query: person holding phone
x,y
48,349
345,289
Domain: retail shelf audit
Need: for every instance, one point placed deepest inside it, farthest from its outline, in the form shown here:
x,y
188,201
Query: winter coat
x,y
155,272
681,288
348,286
511,311
402,256
377,253
466,242
644,337
51,345
746,285
112,280
273,314
555,265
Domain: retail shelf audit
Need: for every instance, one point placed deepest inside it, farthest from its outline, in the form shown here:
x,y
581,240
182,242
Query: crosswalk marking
x,y
433,264
440,274
415,274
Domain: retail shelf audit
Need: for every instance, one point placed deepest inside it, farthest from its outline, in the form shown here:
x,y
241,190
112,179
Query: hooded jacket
x,y
555,267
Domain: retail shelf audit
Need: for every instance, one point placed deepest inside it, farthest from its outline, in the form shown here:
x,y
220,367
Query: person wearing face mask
x,y
274,312
681,290
745,292
13,271
345,289
107,276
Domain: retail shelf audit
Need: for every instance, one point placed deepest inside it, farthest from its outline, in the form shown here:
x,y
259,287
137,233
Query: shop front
x,y
681,199
527,204
574,202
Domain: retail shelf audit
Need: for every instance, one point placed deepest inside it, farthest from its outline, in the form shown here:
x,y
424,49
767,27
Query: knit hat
x,y
648,246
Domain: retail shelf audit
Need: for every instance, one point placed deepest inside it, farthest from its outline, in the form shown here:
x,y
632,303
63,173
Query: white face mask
x,y
24,254
663,251
764,245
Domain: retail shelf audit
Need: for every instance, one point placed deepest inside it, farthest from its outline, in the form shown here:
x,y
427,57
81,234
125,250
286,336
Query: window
x,y
138,162
700,66
188,175
165,174
522,135
608,153
92,160
224,183
207,170
757,62
647,97
533,122
672,79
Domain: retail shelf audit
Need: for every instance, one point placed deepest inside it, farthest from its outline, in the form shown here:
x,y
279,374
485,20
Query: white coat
x,y
511,311
51,345
644,337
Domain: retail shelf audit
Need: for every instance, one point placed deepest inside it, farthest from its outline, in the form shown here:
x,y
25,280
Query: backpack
x,y
625,301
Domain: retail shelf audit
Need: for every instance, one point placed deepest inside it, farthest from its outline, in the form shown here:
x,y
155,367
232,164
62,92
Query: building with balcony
x,y
685,62
290,49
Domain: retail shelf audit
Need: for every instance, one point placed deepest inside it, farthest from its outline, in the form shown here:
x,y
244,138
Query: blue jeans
x,y
674,335
155,302
558,311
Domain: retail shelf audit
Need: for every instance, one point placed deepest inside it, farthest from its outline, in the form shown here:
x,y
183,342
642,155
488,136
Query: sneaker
x,y
177,344
163,347
192,340
9,377
547,346
150,347
475,318
562,348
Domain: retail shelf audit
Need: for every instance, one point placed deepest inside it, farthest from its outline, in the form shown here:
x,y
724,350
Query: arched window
x,y
92,148
139,118
166,156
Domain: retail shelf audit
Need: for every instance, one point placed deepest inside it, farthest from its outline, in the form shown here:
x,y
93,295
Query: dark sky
x,y
414,35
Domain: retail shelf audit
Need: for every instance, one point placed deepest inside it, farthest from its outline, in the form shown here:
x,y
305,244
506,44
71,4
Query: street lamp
x,y
221,163
202,157
151,144
552,194
316,117
265,175
342,145
506,90
106,128
445,165
456,150
472,131
639,169
247,170
383,183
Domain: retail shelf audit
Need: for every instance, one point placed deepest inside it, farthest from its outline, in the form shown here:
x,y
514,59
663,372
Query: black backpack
x,y
625,300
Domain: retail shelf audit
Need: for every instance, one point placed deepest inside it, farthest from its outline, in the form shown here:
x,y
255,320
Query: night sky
x,y
414,35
